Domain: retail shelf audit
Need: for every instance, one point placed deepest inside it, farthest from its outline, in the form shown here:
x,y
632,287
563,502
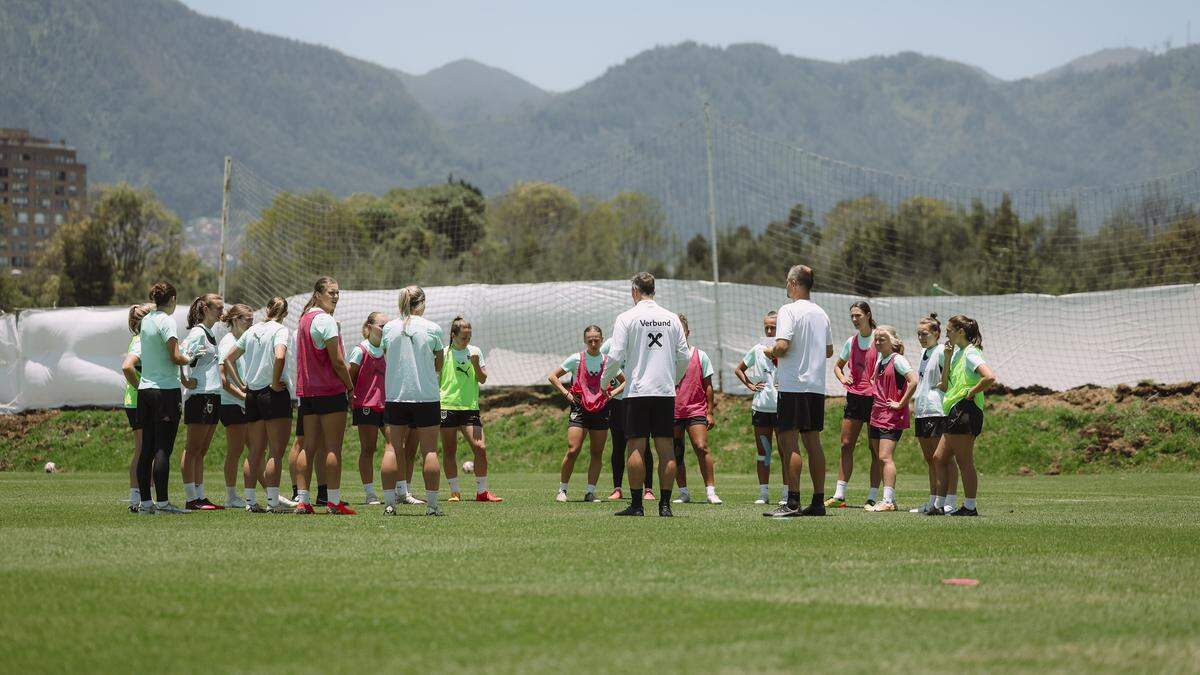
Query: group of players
x,y
645,386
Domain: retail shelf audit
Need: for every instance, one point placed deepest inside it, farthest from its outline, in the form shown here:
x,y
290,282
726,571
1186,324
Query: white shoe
x,y
373,500
408,498
783,502
169,510
948,509
235,503
684,498
760,500
390,510
254,507
145,510
561,496
714,499
290,503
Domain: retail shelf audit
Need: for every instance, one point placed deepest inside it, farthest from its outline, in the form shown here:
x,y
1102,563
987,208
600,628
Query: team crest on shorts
x,y
445,414
208,408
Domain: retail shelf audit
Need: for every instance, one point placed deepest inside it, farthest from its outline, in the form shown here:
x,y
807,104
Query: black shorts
x,y
159,406
417,415
201,409
858,407
323,405
135,419
652,416
764,419
231,415
266,404
801,412
299,422
691,421
365,417
876,433
582,419
930,427
453,419
964,418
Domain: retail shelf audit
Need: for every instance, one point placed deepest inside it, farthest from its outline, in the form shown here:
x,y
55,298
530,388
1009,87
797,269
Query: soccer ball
x,y
51,467
469,466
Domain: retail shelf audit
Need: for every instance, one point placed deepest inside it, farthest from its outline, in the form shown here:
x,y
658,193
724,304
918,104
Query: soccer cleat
x,y
340,509
561,496
192,505
947,509
487,496
813,510
923,509
236,503
321,502
935,511
280,507
664,510
206,505
782,502
616,494
434,511
683,498
964,511
784,511
409,499
760,500
648,495
303,509
254,507
169,509
631,510
145,510
869,505
835,503
590,497
882,507
714,499
390,510
290,503
455,497
372,500
135,507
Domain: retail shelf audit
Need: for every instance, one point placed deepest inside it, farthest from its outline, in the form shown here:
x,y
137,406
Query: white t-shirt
x,y
648,345
258,343
759,368
806,326
411,376
903,367
206,373
864,343
927,399
606,349
226,345
356,354
322,328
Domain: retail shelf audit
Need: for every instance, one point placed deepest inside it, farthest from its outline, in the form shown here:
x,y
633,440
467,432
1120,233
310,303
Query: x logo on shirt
x,y
655,339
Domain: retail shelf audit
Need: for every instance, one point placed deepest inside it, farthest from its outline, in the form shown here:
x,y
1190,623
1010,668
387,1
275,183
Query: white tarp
x,y
67,357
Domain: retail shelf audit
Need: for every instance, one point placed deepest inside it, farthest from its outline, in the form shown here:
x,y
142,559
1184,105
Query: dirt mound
x,y
1184,396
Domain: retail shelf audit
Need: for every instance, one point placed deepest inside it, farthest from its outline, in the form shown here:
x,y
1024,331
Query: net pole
x,y
224,224
712,234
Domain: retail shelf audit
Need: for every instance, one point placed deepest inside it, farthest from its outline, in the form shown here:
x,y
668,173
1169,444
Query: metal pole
x,y
224,224
712,232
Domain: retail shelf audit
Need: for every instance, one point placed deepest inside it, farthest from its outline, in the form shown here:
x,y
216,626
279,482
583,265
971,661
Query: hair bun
x,y
933,315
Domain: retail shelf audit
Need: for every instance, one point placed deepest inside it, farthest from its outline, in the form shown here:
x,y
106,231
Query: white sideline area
x,y
71,357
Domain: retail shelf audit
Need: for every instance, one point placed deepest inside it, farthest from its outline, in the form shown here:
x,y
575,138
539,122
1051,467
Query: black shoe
x,y
814,509
964,511
664,509
321,502
784,511
630,510
870,502
936,511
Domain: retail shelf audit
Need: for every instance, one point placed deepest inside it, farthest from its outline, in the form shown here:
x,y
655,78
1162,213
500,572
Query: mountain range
x,y
154,93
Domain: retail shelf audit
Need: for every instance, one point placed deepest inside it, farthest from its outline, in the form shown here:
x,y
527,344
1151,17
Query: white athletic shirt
x,y
208,378
226,345
411,376
322,328
356,354
648,345
759,368
806,326
606,349
258,343
927,399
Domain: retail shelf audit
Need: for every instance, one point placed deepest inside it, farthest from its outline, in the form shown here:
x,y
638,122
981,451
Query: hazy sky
x,y
560,44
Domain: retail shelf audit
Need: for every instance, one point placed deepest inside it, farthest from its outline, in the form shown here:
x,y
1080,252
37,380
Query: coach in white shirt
x,y
803,342
649,346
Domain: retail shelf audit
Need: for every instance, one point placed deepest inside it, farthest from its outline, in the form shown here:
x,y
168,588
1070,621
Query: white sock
x,y
369,489
249,492
840,492
481,484
199,490
335,495
939,502
272,496
401,488
710,490
135,496
951,500
454,484
591,489
872,494
303,497
764,490
889,494
189,489
562,487
969,503
146,504
230,493
160,504
431,498
932,499
684,492
389,497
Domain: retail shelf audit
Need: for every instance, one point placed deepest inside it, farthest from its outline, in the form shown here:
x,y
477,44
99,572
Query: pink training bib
x,y
587,387
888,386
314,372
690,400
368,389
861,363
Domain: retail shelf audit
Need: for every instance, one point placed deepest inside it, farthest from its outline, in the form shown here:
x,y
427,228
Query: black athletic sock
x,y
322,493
665,496
793,499
636,495
818,499
295,492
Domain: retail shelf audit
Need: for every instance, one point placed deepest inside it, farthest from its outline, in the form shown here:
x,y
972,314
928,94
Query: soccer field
x,y
1077,573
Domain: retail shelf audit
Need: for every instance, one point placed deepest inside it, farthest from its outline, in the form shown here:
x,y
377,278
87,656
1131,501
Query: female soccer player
x,y
964,379
616,431
588,398
232,413
927,407
268,403
694,416
757,371
159,398
367,367
463,370
893,384
859,353
131,367
322,381
412,347
200,410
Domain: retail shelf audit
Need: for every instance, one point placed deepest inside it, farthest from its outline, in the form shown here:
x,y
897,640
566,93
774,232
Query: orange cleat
x,y
340,509
303,509
487,496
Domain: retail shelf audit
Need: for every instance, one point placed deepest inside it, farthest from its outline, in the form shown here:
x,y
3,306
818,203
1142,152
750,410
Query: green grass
x,y
1078,573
